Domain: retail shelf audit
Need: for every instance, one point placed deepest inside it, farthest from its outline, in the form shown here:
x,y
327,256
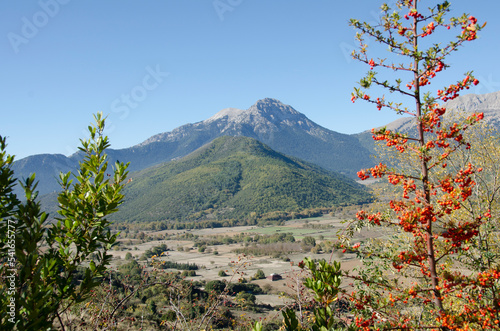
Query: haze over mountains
x,y
269,121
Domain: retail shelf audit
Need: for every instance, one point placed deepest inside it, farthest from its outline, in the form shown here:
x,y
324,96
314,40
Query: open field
x,y
222,257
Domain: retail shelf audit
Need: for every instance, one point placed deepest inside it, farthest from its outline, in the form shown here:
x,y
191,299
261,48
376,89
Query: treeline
x,y
178,266
244,238
275,250
275,217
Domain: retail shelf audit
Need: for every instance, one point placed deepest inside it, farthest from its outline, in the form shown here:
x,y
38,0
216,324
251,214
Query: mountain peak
x,y
270,105
230,113
267,110
267,102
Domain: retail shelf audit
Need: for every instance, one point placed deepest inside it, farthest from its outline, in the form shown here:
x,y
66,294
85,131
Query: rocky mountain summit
x,y
266,115
265,118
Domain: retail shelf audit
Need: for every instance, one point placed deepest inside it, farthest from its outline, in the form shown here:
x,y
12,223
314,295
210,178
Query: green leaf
x,y
92,266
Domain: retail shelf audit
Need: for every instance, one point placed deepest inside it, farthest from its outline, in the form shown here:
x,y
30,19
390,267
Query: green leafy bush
x,y
48,279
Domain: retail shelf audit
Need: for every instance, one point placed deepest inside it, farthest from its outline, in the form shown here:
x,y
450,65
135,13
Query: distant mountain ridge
x,y
273,123
232,178
489,104
46,167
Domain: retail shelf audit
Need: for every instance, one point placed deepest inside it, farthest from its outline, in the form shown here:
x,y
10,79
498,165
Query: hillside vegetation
x,y
232,178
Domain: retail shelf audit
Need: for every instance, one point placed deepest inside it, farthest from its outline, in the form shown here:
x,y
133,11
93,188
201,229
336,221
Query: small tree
x,y
324,284
308,242
217,286
47,255
259,275
426,292
245,300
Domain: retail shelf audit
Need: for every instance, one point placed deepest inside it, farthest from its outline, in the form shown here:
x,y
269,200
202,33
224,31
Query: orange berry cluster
x,y
429,29
414,14
392,139
469,30
452,91
373,218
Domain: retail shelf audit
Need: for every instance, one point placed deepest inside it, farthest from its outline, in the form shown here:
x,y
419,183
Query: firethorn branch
x,y
430,196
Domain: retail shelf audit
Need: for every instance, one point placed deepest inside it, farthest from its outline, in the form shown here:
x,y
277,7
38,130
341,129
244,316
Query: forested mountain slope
x,y
231,178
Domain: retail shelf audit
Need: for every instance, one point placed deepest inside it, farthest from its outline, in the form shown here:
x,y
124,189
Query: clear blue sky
x,y
183,61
